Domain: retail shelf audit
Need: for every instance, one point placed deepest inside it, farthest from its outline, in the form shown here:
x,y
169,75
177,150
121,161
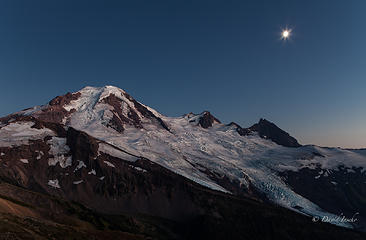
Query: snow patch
x,y
109,164
40,154
24,160
92,172
54,183
32,110
58,149
139,169
78,182
80,165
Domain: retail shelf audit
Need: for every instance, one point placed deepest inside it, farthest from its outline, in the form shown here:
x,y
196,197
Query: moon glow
x,y
286,33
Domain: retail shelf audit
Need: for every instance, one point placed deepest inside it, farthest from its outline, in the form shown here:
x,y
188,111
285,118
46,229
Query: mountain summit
x,y
267,129
109,106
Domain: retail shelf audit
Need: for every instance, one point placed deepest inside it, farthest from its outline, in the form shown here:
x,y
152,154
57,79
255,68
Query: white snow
x,y
24,160
140,169
78,182
92,172
54,183
114,152
40,154
19,133
109,164
59,149
32,110
80,165
335,157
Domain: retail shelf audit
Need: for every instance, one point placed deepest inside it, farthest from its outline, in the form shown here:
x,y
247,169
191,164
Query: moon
x,y
286,33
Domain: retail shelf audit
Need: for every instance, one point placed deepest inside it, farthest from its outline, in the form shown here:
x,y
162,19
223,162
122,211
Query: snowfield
x,y
19,133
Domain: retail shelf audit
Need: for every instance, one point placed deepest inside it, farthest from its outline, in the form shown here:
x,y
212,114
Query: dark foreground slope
x,y
30,215
124,199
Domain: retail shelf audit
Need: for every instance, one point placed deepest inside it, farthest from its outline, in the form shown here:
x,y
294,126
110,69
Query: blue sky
x,y
190,56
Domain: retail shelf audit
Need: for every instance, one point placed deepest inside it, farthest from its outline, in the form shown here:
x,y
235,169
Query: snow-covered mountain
x,y
262,162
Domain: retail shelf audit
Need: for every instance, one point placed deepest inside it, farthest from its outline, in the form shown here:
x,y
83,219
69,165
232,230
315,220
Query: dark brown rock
x,y
118,120
268,130
207,120
240,130
65,99
146,112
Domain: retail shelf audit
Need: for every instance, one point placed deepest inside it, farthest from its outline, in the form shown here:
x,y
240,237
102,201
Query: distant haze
x,y
181,56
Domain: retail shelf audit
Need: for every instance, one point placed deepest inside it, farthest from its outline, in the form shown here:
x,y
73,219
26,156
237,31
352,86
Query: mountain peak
x,y
106,106
267,129
204,119
106,87
207,119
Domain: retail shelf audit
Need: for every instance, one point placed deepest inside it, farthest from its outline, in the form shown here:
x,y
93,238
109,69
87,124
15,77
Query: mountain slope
x,y
92,194
261,162
57,182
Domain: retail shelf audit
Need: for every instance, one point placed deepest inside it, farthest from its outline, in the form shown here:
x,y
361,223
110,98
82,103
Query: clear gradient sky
x,y
182,56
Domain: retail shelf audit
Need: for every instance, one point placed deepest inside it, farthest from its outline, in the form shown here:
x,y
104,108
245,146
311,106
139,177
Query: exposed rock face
x,y
240,130
65,99
204,119
119,119
207,119
266,129
146,112
55,111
